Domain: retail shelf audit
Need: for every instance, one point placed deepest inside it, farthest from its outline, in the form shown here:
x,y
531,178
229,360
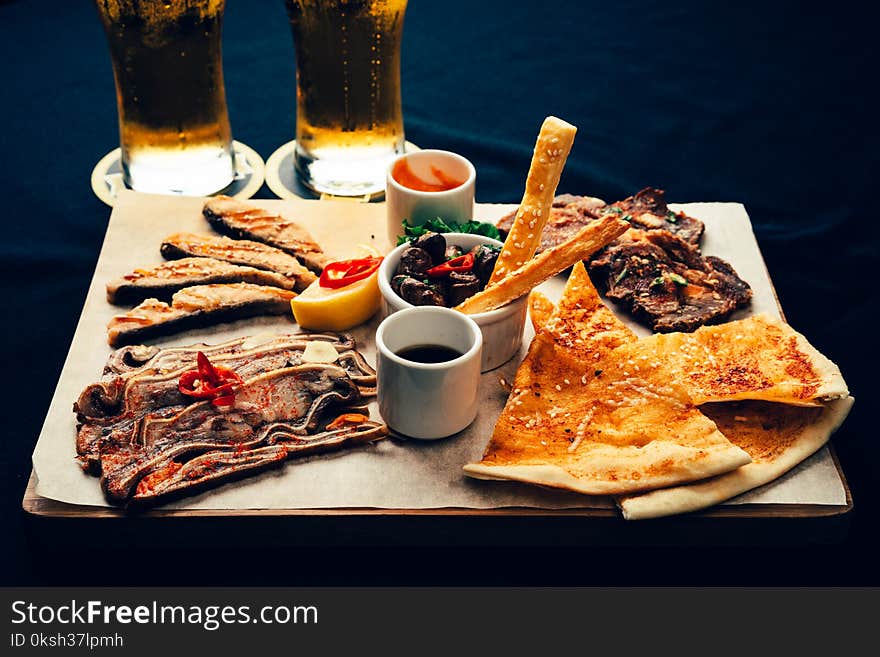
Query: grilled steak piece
x,y
242,221
107,411
162,281
655,270
194,307
665,281
289,407
238,252
646,210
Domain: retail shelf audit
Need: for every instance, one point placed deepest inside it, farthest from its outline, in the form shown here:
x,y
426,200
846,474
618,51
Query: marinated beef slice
x,y
655,270
665,282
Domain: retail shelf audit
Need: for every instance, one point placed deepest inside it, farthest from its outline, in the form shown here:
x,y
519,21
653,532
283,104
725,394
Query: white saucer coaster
x,y
249,174
281,176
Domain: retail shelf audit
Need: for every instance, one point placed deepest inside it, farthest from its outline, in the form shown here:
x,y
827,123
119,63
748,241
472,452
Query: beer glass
x,y
349,122
174,129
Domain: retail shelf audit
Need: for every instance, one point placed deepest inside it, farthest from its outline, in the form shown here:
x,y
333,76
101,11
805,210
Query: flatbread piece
x,y
777,437
595,427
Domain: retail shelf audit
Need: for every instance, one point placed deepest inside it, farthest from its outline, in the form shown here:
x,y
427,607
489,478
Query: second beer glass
x,y
349,122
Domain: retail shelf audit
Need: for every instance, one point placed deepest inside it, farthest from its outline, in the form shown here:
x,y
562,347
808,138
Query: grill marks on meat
x,y
196,307
154,448
243,221
237,252
655,270
162,281
108,410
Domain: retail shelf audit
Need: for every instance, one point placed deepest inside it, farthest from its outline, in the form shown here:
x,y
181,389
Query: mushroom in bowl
x,y
445,269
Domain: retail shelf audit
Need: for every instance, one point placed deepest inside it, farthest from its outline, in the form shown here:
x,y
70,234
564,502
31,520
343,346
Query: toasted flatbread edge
x,y
833,386
700,495
554,476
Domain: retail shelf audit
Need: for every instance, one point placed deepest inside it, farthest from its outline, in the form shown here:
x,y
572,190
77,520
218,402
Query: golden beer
x,y
173,124
349,122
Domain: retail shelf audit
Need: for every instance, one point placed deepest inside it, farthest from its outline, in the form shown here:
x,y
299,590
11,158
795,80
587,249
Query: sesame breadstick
x,y
524,279
551,150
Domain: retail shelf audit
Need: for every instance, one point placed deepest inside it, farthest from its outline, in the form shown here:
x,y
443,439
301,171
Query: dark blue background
x,y
766,103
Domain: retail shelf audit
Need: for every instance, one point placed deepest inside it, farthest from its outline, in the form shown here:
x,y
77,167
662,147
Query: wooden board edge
x,y
41,507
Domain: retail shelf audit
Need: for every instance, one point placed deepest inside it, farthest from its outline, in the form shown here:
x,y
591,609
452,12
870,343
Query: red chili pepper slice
x,y
191,384
345,272
209,382
462,263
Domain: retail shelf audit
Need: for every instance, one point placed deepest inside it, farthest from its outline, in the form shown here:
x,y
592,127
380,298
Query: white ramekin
x,y
456,204
428,400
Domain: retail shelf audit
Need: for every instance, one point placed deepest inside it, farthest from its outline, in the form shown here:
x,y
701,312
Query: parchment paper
x,y
391,474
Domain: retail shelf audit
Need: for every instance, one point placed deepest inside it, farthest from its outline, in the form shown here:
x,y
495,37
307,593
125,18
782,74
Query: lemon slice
x,y
323,309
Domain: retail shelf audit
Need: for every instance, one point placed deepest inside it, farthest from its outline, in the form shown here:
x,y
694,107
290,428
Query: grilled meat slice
x,y
663,280
145,359
655,270
243,221
212,468
238,252
107,411
646,210
198,306
275,407
154,385
162,281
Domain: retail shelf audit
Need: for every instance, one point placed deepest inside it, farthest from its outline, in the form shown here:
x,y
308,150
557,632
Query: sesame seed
x,y
558,387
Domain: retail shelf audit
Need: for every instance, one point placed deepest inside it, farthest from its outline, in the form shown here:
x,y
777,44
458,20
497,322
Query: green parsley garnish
x,y
621,276
440,225
671,217
680,280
